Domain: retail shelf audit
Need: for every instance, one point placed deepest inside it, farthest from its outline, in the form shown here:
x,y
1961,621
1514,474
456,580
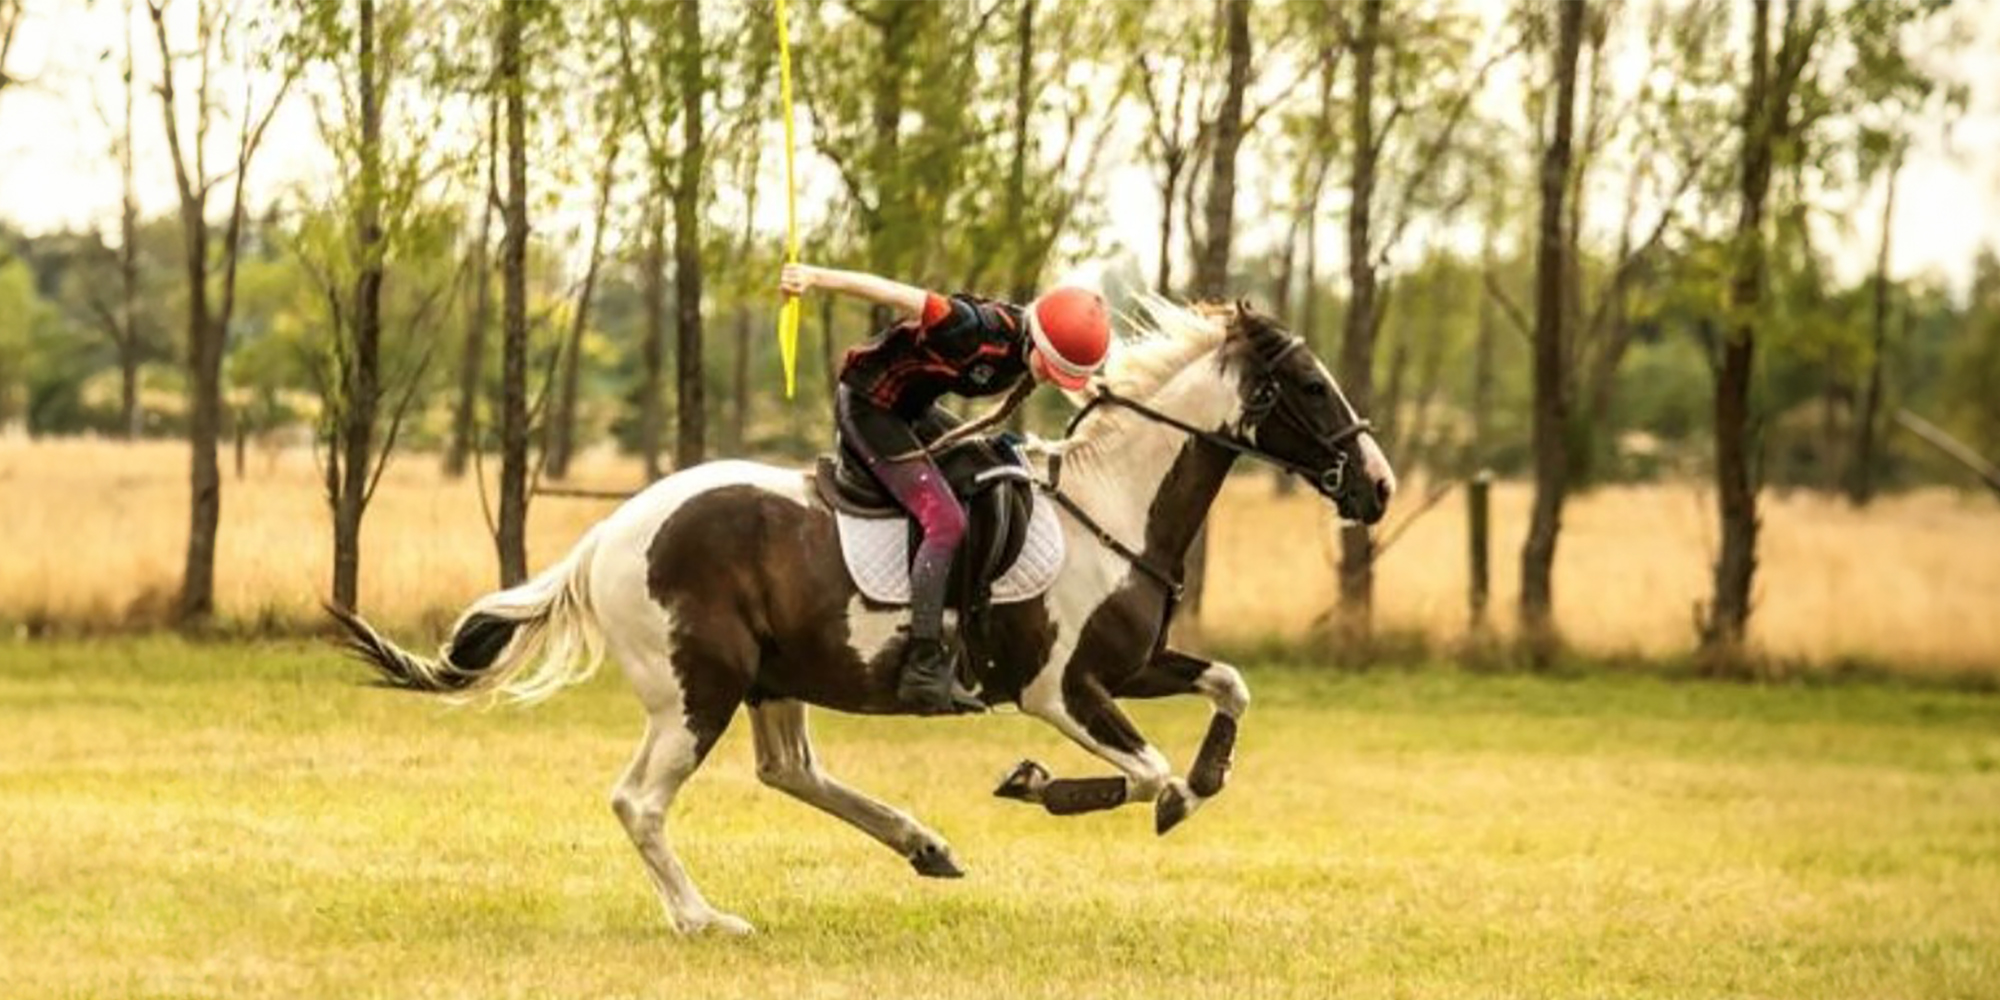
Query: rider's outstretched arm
x,y
797,279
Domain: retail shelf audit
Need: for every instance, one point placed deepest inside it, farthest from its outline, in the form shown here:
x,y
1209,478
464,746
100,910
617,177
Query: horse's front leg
x,y
1171,672
1081,709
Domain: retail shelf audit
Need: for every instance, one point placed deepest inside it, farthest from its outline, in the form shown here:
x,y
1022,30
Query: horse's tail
x,y
525,643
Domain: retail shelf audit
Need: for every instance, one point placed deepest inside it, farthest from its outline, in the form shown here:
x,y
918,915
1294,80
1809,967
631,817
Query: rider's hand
x,y
796,279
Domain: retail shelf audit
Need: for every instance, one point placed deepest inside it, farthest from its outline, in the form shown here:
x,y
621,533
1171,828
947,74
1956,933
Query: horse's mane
x,y
1166,338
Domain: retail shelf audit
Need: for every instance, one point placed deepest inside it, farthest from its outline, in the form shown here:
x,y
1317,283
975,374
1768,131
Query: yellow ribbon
x,y
788,314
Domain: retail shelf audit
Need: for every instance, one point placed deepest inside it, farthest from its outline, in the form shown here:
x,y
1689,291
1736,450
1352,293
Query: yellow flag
x,y
788,315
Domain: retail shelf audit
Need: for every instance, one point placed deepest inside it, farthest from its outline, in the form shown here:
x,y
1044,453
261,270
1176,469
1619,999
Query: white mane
x,y
1166,339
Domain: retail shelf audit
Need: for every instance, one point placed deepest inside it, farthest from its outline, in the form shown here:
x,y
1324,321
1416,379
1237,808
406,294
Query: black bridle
x,y
1266,398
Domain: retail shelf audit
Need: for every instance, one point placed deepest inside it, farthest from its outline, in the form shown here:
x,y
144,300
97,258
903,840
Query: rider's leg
x,y
876,436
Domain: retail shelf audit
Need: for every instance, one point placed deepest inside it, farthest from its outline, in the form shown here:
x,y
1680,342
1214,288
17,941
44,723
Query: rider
x,y
944,344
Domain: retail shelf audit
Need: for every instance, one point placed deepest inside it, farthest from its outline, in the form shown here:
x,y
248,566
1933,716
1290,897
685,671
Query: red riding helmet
x,y
1071,331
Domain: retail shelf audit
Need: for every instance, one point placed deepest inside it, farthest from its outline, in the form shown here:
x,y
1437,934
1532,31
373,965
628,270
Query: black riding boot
x,y
929,684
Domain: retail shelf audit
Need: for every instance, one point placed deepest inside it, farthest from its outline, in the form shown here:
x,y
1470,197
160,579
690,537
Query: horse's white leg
x,y
681,725
785,762
666,757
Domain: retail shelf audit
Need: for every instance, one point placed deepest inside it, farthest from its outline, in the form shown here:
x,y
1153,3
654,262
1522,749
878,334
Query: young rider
x,y
960,345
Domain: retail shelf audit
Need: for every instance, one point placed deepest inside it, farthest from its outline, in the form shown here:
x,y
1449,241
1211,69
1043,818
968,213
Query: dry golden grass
x,y
94,533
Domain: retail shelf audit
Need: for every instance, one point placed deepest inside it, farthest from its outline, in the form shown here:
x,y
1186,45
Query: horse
x,y
722,587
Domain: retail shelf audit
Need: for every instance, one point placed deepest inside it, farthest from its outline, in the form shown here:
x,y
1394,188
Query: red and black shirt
x,y
964,345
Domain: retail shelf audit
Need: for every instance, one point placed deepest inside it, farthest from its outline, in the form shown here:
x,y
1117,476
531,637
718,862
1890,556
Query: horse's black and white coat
x,y
722,586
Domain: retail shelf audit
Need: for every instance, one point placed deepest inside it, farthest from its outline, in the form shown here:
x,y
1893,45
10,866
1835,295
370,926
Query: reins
x,y
1264,400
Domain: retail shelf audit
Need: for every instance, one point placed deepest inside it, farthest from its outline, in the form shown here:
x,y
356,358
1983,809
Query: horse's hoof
x,y
724,924
1175,803
934,861
1024,783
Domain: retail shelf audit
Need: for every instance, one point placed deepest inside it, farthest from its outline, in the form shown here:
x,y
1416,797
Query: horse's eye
x,y
1317,390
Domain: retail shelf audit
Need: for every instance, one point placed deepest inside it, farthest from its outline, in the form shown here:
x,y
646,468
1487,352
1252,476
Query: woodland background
x,y
1606,251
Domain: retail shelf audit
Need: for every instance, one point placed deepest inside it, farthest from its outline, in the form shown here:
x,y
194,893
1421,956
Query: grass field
x,y
241,820
95,534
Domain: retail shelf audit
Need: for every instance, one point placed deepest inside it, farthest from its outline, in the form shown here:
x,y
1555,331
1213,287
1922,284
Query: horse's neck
x,y
1149,484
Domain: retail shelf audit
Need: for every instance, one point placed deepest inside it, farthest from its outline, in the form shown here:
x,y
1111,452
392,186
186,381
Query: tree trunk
x,y
1357,348
1736,491
129,415
653,296
562,422
739,384
1211,266
512,538
472,361
1020,272
1164,271
1861,475
692,409
1479,453
1551,413
361,375
1211,269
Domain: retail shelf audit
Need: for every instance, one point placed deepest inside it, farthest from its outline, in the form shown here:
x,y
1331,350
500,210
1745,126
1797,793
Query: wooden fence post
x,y
1478,511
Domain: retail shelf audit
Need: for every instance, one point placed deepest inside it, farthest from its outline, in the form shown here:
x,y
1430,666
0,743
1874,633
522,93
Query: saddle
x,y
1012,549
990,480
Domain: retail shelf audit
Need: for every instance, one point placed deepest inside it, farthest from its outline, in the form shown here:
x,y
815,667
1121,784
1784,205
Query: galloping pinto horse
x,y
723,586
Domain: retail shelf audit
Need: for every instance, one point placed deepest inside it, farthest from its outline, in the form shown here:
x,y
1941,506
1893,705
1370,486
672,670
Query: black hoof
x,y
1170,808
934,861
1024,783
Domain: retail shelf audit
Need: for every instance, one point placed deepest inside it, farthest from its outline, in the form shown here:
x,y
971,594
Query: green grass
x,y
242,820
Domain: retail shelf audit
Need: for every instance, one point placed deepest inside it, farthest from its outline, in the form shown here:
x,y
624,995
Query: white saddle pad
x,y
877,552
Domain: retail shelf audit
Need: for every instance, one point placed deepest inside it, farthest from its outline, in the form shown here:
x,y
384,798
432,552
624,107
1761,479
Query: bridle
x,y
1266,398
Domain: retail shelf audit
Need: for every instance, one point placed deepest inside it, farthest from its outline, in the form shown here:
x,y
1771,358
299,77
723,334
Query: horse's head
x,y
1294,411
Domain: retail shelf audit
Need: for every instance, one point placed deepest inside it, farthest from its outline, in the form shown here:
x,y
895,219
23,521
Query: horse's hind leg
x,y
691,686
785,761
669,753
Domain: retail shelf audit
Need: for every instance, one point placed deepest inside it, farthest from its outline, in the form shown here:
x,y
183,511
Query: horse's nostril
x,y
1384,489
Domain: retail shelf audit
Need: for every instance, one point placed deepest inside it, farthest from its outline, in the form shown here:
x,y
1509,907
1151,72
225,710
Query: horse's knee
x,y
634,813
786,776
1146,774
1224,685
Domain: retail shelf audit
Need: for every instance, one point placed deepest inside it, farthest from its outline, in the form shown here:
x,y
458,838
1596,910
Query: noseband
x,y
1265,399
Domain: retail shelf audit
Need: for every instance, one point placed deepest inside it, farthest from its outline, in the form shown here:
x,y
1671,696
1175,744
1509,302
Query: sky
x,y
56,170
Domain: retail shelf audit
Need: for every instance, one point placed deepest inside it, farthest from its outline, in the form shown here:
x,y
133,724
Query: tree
x,y
562,422
1767,123
1211,269
1419,63
11,15
375,224
479,282
510,537
1551,406
692,417
209,307
121,324
1357,345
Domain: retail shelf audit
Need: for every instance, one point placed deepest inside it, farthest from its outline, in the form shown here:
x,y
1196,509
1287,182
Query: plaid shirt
x,y
963,345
